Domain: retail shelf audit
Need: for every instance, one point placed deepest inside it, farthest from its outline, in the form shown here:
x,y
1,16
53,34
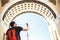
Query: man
x,y
13,33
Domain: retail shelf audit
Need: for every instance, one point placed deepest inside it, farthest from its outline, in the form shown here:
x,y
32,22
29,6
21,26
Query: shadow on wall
x,y
53,1
3,2
59,2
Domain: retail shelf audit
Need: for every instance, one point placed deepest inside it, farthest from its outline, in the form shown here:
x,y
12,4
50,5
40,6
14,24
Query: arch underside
x,y
31,6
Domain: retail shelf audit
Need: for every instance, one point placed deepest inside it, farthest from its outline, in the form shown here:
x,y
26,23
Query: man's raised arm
x,y
26,28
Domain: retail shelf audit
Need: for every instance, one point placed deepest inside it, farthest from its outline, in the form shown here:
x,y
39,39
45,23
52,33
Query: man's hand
x,y
26,28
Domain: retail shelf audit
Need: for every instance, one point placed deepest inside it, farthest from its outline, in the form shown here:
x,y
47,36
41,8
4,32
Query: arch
x,y
37,7
33,2
30,6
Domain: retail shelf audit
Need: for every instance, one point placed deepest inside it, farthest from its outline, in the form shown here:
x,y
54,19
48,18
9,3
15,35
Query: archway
x,y
37,7
38,27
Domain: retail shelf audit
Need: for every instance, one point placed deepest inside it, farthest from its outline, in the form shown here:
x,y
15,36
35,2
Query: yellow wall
x,y
0,7
58,7
1,33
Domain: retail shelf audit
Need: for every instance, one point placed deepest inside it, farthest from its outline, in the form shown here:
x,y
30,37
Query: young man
x,y
13,33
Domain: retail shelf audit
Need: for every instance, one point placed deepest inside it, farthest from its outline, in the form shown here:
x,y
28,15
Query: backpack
x,y
11,34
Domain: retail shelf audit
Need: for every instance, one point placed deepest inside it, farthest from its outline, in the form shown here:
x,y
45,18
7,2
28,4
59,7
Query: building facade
x,y
48,9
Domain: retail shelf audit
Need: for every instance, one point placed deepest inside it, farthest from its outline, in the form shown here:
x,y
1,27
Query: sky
x,y
38,28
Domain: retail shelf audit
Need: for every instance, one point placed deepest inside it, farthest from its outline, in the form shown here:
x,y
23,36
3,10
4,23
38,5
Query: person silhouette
x,y
13,33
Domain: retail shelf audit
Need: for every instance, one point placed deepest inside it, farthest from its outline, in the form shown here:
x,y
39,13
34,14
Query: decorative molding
x,y
57,20
29,1
53,1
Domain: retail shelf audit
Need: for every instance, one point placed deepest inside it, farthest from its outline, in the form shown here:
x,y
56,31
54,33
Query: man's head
x,y
13,24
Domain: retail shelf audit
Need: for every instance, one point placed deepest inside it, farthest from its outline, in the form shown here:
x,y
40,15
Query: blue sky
x,y
38,28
